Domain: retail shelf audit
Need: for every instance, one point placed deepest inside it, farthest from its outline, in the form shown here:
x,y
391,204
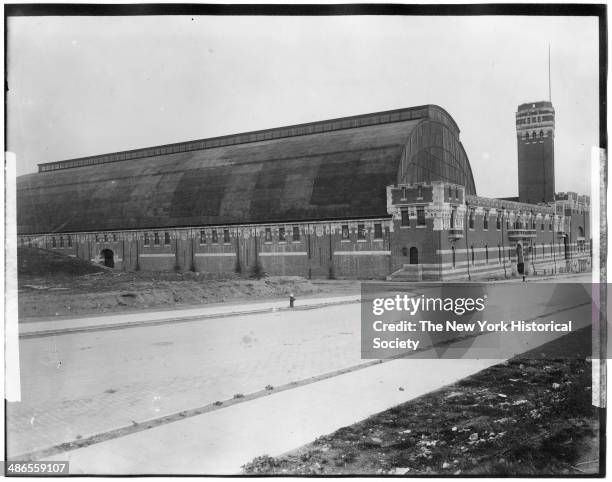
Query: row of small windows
x,y
533,135
62,240
420,217
517,224
214,236
419,192
156,239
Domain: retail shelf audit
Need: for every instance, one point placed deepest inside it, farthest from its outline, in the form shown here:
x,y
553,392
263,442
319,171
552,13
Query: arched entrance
x,y
414,255
520,262
109,258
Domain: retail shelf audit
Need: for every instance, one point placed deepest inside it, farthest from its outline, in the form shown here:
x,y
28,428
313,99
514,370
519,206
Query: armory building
x,y
388,194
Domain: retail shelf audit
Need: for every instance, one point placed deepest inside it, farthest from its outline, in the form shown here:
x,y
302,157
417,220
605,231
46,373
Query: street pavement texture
x,y
78,385
221,442
82,384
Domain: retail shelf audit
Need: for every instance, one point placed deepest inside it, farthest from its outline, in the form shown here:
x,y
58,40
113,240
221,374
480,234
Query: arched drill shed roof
x,y
335,169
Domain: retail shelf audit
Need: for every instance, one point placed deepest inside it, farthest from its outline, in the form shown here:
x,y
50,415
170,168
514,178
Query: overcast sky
x,y
82,86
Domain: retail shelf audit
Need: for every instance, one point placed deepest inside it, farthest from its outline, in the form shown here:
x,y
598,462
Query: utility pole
x,y
467,250
502,241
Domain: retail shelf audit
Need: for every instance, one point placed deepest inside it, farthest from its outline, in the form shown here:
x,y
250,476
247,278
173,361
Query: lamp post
x,y
502,241
467,250
553,245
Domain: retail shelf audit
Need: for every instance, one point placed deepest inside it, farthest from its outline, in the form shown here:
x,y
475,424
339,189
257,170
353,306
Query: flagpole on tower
x,y
549,90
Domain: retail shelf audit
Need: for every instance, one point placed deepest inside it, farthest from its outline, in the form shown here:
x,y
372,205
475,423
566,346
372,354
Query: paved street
x,y
222,441
82,384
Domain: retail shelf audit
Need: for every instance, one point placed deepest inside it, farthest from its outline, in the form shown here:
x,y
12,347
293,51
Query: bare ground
x,y
51,284
529,416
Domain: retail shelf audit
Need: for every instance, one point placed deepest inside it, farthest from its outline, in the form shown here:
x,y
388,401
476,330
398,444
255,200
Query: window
x,y
403,193
405,218
542,225
471,219
456,193
202,237
215,238
421,216
550,226
53,242
156,239
97,238
146,239
472,250
420,191
533,135
268,236
105,238
296,233
166,239
69,241
281,234
61,241
541,134
226,236
450,192
486,220
360,231
378,231
498,221
453,218
345,232
114,236
453,251
499,253
487,253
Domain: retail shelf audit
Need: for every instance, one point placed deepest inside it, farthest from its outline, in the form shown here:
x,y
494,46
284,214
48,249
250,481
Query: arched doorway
x,y
109,258
520,262
414,255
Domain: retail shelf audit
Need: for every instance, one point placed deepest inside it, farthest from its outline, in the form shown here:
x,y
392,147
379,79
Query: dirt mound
x,y
43,262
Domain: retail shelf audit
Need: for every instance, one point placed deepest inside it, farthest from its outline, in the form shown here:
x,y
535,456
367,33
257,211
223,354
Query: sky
x,y
82,86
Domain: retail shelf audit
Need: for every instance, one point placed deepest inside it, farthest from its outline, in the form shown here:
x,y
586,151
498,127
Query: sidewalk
x,y
220,442
107,321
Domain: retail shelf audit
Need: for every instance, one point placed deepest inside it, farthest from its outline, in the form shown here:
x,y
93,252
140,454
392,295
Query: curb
x,y
135,324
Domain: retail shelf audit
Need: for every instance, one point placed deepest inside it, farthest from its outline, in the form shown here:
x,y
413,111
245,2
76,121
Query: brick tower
x,y
535,135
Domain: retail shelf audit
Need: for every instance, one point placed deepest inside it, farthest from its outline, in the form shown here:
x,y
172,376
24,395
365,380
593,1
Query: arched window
x,y
414,255
533,135
471,219
541,134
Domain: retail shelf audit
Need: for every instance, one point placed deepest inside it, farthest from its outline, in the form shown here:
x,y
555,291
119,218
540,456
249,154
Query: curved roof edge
x,y
383,117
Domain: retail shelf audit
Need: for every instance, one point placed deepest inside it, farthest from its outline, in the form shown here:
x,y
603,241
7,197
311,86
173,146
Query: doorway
x,y
520,263
414,255
109,258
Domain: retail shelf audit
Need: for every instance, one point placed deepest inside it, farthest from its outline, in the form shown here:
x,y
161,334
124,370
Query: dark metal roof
x,y
328,174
